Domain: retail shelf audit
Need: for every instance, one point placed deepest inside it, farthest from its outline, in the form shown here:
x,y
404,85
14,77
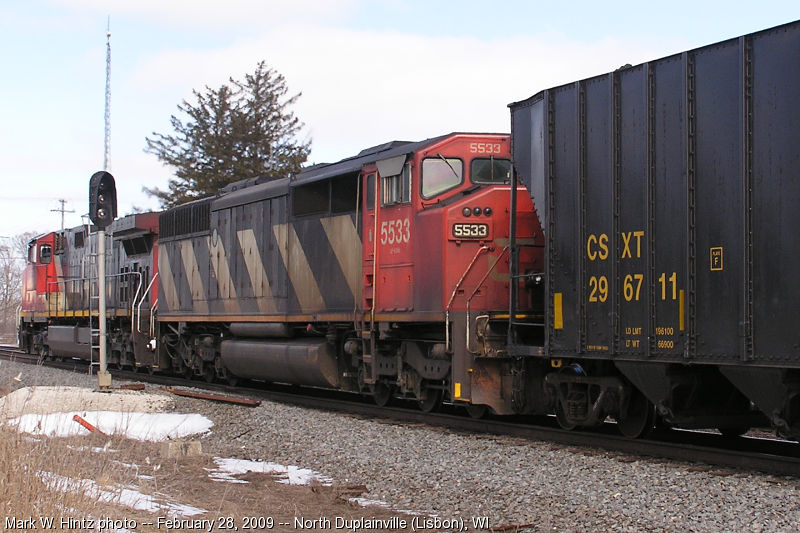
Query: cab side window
x,y
371,191
45,254
397,189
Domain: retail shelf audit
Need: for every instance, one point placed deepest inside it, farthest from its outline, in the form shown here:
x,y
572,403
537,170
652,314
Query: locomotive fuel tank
x,y
309,362
69,341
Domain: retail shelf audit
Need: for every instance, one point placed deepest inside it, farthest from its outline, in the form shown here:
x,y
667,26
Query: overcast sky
x,y
369,72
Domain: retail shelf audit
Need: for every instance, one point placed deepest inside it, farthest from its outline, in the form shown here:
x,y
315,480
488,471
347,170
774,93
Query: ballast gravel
x,y
544,486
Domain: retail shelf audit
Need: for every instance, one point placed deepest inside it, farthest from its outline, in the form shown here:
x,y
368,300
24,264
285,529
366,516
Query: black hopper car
x,y
669,195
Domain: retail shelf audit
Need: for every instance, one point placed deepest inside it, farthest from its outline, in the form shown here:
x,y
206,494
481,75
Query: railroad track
x,y
741,453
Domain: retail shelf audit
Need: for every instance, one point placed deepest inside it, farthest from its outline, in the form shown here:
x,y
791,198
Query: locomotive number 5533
x,y
463,230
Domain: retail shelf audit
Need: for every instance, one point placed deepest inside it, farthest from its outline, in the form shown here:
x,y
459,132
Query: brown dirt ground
x,y
186,481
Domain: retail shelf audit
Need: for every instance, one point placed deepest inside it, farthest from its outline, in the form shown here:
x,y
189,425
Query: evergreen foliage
x,y
242,130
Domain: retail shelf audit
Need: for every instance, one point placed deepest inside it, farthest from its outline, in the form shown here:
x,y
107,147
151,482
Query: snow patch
x,y
290,475
152,427
125,496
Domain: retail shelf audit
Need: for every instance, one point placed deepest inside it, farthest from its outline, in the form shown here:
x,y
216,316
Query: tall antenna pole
x,y
107,148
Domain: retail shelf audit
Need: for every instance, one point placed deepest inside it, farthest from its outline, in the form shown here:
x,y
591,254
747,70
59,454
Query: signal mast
x,y
102,210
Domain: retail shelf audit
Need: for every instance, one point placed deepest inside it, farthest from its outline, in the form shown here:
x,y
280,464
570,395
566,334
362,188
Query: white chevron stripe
x,y
343,236
190,268
255,268
296,263
166,279
225,286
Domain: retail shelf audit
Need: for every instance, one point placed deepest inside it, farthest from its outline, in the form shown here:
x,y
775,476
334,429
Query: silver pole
x,y
103,377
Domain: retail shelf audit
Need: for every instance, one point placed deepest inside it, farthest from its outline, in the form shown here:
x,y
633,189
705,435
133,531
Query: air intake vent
x,y
194,217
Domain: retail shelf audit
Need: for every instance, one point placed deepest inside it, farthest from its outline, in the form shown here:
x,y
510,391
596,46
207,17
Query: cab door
x,y
388,223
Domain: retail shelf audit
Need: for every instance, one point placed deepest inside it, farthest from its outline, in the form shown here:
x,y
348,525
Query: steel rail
x,y
766,455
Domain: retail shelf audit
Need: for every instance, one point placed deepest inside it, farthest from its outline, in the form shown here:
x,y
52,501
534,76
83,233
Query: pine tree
x,y
242,130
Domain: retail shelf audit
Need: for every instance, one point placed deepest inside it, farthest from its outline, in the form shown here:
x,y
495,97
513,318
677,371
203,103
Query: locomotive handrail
x,y
65,279
139,306
481,250
153,318
135,296
49,282
480,284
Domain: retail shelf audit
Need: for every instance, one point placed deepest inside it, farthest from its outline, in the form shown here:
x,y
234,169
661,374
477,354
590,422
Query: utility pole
x,y
62,210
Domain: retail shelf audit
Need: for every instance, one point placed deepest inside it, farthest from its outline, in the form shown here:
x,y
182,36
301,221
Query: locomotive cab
x,y
439,227
436,257
40,269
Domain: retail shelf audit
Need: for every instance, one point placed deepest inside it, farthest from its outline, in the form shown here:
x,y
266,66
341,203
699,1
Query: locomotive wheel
x,y
640,417
562,419
433,398
476,411
229,378
381,394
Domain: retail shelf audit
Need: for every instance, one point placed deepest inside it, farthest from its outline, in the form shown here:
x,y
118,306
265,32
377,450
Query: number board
x,y
470,230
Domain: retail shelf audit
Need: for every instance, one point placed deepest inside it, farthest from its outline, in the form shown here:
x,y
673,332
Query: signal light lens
x,y
477,211
487,211
466,211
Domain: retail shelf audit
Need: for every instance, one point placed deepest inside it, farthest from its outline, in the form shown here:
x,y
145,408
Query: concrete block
x,y
175,449
193,448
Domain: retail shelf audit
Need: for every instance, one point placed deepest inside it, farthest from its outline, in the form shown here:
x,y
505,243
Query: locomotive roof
x,y
354,164
245,192
260,188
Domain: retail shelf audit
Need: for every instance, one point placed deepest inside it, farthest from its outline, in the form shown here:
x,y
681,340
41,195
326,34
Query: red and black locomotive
x,y
360,275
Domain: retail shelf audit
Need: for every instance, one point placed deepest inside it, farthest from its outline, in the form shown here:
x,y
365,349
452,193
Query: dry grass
x,y
32,467
74,479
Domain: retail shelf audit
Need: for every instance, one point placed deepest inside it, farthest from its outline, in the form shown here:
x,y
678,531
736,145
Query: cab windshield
x,y
490,170
440,174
